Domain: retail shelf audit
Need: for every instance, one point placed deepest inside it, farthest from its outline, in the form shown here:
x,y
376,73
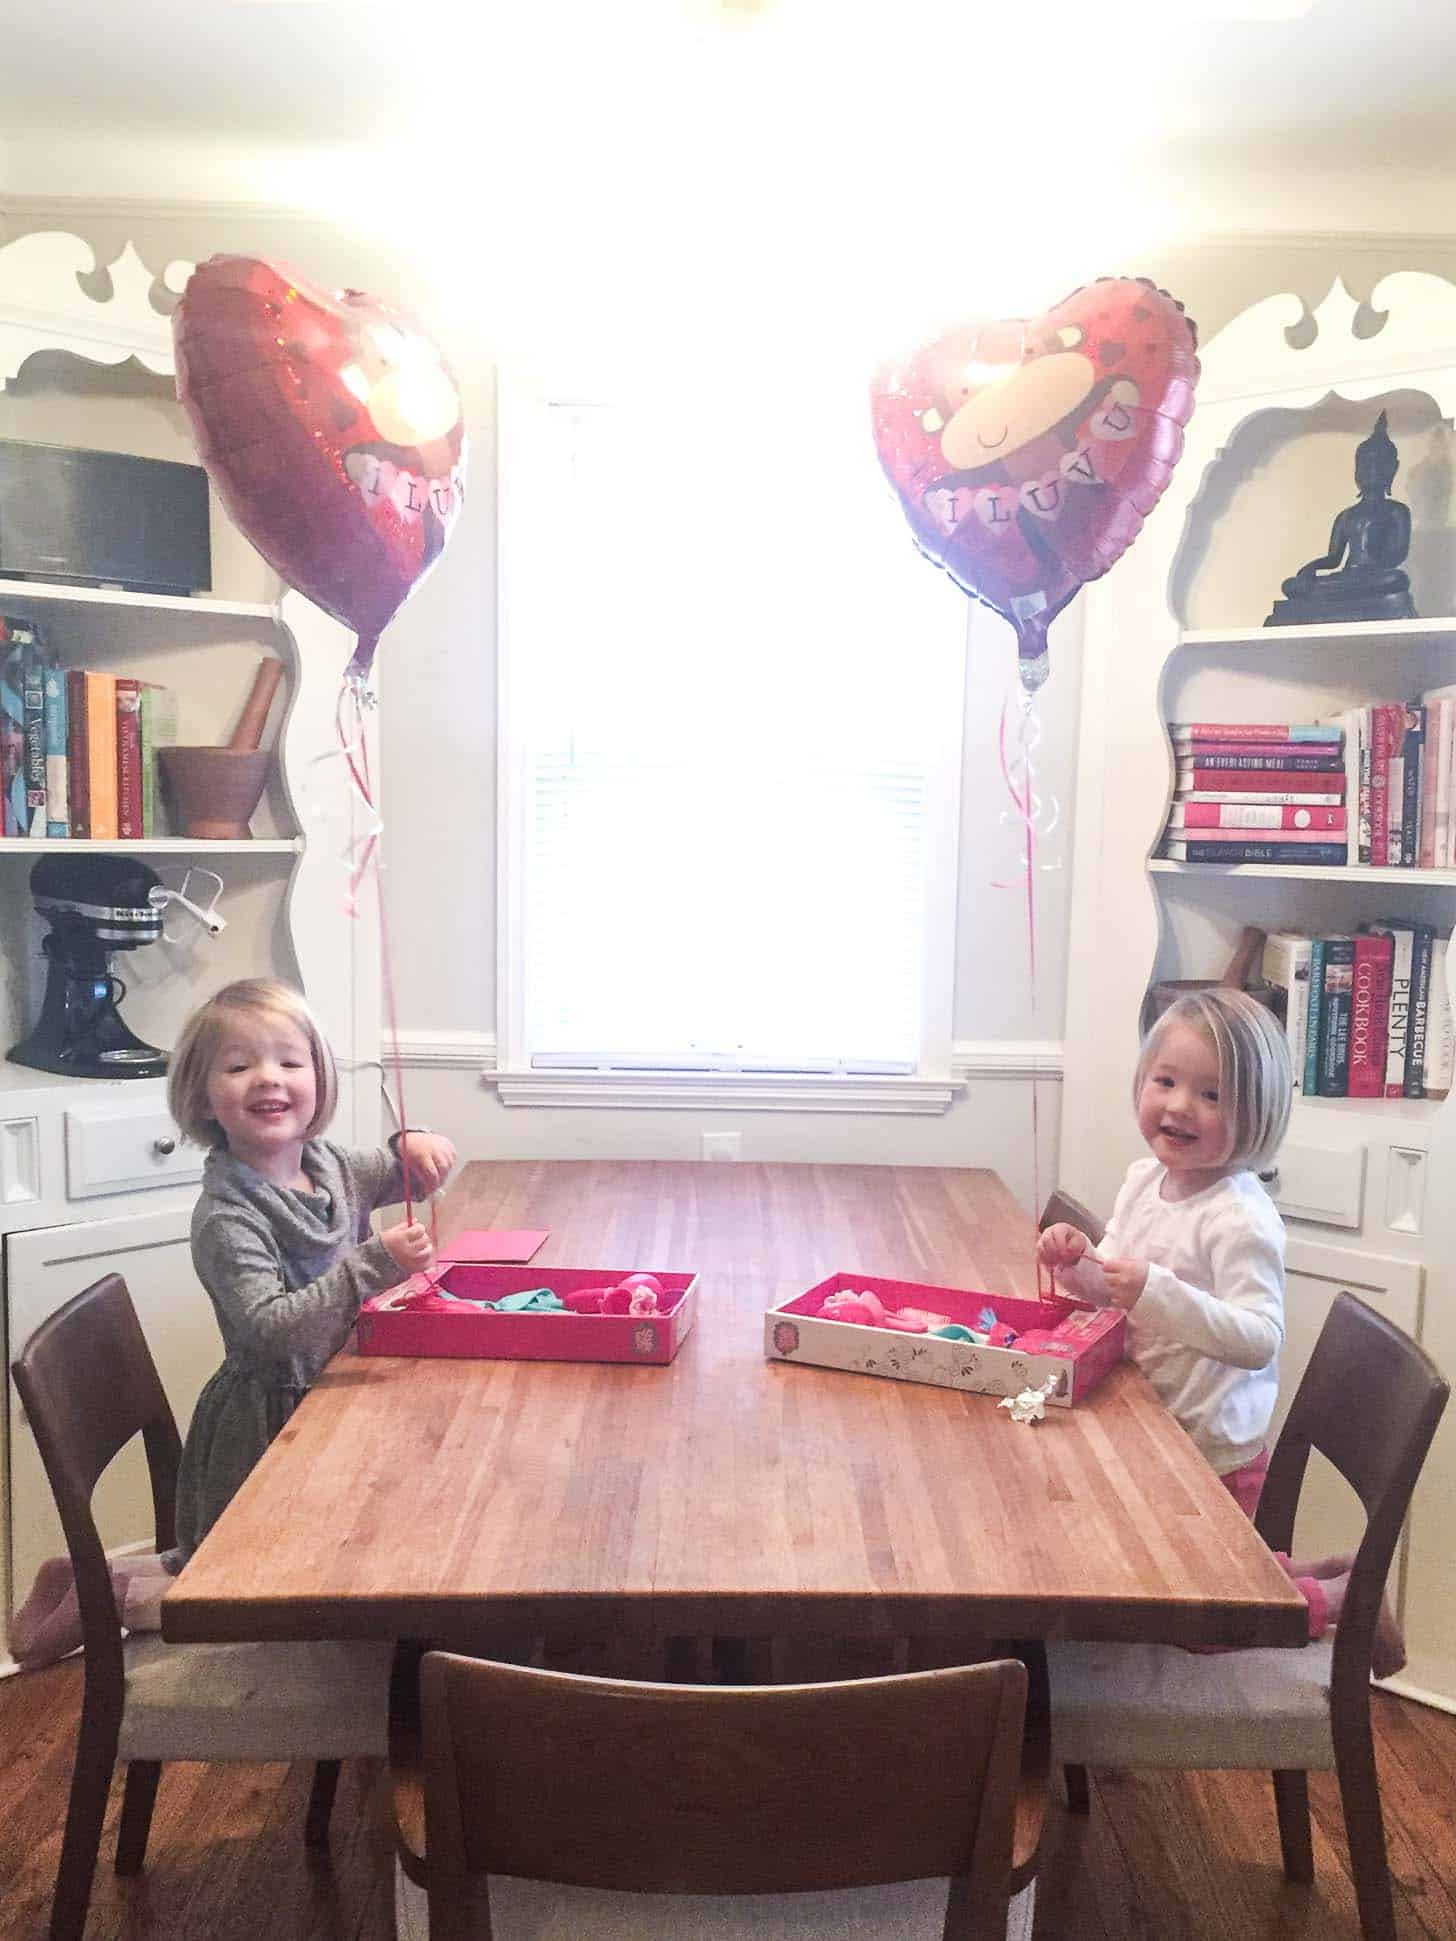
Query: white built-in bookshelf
x,y
1175,633
80,370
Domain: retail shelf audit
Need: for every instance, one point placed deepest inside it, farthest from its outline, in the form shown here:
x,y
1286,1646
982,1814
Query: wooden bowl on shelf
x,y
214,791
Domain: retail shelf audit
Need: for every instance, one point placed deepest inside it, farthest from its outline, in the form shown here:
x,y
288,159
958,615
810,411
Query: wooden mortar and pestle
x,y
214,791
1239,976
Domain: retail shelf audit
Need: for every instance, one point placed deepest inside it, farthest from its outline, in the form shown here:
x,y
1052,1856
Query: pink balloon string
x,y
349,722
1018,777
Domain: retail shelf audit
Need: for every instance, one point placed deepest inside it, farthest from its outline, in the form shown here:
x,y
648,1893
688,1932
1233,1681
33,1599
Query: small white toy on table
x,y
1030,1404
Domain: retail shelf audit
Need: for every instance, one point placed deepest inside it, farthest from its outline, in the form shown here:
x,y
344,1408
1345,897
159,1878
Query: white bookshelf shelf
x,y
148,846
1404,1117
1408,633
1438,879
40,593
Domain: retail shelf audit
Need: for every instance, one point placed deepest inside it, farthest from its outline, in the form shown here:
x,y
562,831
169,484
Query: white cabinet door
x,y
1330,1516
43,1269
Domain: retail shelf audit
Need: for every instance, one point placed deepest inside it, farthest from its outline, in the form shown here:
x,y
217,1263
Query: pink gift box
x,y
386,1328
1078,1344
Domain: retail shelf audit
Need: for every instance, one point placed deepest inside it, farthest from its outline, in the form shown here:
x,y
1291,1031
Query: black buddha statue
x,y
1361,576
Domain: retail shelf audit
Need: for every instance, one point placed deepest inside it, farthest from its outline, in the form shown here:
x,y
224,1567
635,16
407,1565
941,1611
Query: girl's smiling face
x,y
261,1090
1179,1111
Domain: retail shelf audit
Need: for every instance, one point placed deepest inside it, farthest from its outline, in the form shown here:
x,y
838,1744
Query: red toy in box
x,y
431,1315
1049,1338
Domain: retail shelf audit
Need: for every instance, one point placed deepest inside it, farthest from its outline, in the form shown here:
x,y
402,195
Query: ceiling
x,y
100,97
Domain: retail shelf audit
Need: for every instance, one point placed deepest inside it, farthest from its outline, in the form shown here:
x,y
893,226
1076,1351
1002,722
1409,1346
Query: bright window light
x,y
731,731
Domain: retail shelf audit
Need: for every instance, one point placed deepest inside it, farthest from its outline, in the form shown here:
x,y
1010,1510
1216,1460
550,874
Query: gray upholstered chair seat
x,y
531,1910
1135,1705
255,1701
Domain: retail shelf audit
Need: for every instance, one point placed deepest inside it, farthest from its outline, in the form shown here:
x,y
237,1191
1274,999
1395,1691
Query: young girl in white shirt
x,y
1194,1252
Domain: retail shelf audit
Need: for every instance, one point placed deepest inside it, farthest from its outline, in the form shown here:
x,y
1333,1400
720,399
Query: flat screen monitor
x,y
85,518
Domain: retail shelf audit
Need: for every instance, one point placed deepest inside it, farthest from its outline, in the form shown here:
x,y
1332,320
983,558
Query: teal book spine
x,y
33,701
1316,1006
57,760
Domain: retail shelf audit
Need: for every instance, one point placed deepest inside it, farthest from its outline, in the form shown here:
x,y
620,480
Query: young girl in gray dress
x,y
282,1243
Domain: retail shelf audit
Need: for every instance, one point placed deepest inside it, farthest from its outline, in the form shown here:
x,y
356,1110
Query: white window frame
x,y
520,394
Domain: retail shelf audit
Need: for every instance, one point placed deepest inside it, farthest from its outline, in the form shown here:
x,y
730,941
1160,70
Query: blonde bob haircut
x,y
1255,1083
202,1040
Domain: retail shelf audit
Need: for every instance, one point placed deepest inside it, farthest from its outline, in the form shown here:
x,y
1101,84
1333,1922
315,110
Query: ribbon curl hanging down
x,y
1028,808
351,711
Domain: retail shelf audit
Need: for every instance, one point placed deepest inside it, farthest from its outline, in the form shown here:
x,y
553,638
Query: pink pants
x,y
1245,1486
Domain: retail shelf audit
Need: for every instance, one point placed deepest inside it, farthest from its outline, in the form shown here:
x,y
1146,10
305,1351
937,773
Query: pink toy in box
x,y
1052,1338
387,1326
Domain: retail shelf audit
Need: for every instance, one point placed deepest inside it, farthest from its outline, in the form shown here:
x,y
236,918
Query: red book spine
x,y
78,770
1228,815
128,758
1369,1016
1293,780
1328,754
1320,837
1386,727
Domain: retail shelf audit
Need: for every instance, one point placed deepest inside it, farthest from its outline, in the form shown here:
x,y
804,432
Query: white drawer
x,y
1324,1183
114,1148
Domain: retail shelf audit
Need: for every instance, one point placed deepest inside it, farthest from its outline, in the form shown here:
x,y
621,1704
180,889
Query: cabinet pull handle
x,y
164,1146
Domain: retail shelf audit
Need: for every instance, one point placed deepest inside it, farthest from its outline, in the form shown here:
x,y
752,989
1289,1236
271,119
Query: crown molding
x,y
159,209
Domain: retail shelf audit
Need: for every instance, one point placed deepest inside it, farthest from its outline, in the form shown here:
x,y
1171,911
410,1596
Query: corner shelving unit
x,y
93,1178
285,887
1364,1184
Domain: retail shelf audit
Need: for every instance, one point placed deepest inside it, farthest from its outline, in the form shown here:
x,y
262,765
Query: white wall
x,y
437,672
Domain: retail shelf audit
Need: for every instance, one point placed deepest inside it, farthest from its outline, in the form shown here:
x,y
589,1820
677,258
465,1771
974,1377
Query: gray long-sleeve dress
x,y
286,1272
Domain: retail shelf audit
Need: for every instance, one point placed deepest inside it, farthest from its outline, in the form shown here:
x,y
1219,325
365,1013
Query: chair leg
x,y
1079,1800
1291,1803
1365,1830
90,1784
136,1814
321,1803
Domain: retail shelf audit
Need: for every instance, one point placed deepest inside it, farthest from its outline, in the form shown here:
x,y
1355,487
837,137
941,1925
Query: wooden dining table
x,y
723,1493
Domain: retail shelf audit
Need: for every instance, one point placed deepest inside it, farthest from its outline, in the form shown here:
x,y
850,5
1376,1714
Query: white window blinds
x,y
730,736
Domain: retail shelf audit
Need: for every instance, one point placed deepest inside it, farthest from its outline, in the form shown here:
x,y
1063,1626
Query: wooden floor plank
x,y
1162,1856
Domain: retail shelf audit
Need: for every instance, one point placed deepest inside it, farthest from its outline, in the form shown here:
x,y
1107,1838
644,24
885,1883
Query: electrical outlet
x,y
722,1145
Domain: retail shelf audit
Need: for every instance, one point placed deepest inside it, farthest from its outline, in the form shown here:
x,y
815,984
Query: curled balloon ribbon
x,y
351,710
1030,812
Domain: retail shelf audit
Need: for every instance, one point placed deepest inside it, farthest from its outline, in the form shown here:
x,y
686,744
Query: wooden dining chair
x,y
1061,1208
88,1385
855,1800
1370,1401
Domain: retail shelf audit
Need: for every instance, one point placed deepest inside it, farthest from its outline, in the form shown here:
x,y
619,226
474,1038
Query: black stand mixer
x,y
95,905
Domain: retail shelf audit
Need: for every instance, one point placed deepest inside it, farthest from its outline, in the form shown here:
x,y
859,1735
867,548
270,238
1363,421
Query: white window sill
x,y
971,1061
720,1091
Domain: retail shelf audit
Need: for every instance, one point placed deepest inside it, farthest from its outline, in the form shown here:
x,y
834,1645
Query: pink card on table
x,y
495,1243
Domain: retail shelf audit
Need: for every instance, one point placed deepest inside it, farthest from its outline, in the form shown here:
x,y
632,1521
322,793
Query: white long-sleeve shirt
x,y
1208,1327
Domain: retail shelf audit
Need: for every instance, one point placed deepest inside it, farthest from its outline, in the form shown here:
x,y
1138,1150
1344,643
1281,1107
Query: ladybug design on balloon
x,y
1026,454
332,430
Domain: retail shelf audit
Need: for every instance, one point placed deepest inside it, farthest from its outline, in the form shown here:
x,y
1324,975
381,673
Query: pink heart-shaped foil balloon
x,y
1026,453
332,429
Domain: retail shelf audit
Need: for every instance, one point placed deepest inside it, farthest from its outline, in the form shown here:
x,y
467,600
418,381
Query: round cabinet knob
x,y
164,1146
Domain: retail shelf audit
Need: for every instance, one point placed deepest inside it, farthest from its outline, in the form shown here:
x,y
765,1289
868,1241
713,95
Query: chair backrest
x,y
693,1789
1061,1208
88,1385
1369,1401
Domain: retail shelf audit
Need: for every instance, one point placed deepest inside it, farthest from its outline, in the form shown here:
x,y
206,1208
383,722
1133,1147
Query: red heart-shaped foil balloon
x,y
1027,452
332,429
